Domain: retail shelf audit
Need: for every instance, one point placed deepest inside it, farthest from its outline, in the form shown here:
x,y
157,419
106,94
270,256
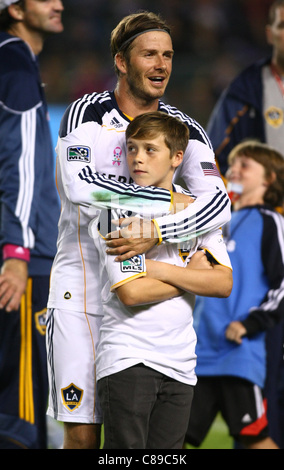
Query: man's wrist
x,y
15,251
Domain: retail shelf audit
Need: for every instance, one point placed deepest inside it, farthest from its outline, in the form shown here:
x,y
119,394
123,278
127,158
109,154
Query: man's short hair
x,y
130,27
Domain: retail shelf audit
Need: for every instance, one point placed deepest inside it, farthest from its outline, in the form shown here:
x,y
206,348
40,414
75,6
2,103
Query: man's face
x,y
43,15
150,65
150,162
275,33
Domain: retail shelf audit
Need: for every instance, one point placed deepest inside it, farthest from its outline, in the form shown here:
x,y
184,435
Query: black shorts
x,y
240,402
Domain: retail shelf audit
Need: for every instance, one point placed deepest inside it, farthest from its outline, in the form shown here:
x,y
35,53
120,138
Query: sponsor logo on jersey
x,y
79,154
72,397
115,123
134,265
67,296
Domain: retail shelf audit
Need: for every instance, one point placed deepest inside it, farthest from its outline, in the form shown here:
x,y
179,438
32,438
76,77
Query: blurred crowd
x,y
213,41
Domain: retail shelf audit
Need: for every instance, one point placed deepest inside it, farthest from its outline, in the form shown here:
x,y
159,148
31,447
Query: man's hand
x,y
13,282
235,332
135,236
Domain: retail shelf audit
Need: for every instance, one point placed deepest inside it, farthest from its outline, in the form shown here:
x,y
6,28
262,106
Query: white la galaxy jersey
x,y
92,173
159,335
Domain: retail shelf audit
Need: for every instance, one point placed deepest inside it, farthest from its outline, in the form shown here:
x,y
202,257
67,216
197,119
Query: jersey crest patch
x,y
79,154
72,397
133,265
274,116
40,321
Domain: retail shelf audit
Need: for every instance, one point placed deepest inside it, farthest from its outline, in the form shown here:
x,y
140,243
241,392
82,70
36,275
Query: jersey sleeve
x,y
19,101
271,310
118,273
228,125
84,185
210,210
214,245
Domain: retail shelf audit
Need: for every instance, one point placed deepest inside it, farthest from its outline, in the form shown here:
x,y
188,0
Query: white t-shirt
x,y
159,335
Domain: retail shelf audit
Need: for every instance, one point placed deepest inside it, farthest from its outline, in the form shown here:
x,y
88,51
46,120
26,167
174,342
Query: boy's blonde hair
x,y
150,125
273,163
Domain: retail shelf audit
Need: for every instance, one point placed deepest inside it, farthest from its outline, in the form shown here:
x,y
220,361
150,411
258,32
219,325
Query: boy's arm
x,y
165,281
213,280
146,290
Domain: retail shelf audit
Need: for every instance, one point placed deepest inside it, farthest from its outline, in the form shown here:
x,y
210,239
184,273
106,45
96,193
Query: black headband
x,y
138,34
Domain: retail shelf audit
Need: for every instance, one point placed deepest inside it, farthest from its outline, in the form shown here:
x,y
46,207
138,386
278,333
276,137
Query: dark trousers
x,y
144,409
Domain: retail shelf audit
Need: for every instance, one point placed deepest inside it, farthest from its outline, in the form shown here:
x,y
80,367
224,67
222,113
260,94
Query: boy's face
x,y
249,174
150,162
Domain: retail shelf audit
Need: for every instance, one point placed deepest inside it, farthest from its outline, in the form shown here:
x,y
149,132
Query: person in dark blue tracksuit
x,y
29,213
234,367
252,106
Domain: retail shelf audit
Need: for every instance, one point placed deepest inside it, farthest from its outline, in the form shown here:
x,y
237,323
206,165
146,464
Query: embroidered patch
x,y
72,397
209,169
67,296
40,321
79,154
117,156
134,265
274,116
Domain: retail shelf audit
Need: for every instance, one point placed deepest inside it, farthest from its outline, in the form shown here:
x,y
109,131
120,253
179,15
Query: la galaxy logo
x,y
134,264
274,116
40,321
79,154
72,397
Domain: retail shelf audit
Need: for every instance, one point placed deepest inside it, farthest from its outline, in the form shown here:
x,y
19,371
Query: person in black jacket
x,y
253,104
29,208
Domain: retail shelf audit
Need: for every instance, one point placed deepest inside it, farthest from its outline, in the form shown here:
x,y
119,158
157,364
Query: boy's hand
x,y
136,236
235,332
199,261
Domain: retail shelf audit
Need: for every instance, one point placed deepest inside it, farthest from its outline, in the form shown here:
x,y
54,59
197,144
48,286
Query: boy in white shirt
x,y
146,359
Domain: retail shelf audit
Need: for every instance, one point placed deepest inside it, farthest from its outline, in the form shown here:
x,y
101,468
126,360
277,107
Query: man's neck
x,y
278,66
133,106
34,40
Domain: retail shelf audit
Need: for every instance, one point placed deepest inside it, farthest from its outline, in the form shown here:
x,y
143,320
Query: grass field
x,y
217,438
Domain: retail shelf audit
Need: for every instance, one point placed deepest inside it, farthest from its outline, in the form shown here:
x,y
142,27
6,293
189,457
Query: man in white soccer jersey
x,y
146,353
92,143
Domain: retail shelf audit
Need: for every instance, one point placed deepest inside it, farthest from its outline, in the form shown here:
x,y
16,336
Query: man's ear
x,y
120,63
177,159
16,12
